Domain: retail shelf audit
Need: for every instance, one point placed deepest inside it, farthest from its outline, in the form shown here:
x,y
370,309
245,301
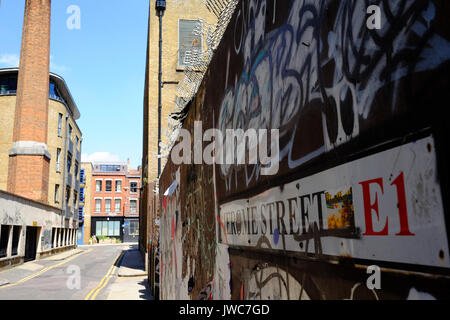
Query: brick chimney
x,y
29,159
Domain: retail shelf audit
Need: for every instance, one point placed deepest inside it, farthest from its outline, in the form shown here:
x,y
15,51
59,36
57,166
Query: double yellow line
x,y
94,292
34,275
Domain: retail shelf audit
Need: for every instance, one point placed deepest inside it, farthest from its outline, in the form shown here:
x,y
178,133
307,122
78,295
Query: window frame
x,y
110,205
101,185
136,208
179,66
57,188
137,187
119,200
58,160
106,185
115,185
60,120
95,203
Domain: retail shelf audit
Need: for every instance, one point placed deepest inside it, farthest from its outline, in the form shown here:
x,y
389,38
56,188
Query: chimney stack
x,y
29,159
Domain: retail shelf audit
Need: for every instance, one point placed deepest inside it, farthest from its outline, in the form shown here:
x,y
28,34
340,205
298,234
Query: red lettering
x,y
369,207
399,183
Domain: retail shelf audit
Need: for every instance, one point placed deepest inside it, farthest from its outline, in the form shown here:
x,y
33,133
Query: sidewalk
x,y
131,283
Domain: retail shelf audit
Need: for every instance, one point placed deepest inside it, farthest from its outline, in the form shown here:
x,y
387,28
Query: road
x,y
53,279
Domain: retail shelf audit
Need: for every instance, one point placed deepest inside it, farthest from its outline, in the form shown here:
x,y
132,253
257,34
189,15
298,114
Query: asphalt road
x,y
87,275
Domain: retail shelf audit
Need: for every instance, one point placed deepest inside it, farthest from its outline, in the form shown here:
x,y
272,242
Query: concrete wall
x,y
362,162
18,211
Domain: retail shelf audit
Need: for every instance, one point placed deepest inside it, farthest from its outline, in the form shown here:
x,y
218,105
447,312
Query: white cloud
x,y
9,60
56,68
12,61
100,157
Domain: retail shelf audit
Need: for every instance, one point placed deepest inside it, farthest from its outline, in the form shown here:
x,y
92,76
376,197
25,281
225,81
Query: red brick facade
x,y
31,113
35,186
126,195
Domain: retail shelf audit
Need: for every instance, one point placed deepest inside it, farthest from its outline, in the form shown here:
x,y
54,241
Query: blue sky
x,y
103,64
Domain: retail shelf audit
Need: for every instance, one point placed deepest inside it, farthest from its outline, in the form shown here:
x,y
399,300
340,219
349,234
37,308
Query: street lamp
x,y
160,8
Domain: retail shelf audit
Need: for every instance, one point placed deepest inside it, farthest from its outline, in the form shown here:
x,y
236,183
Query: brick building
x,y
64,140
110,202
178,24
40,149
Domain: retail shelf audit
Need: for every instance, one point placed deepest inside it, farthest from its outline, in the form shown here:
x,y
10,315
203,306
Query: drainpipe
x,y
160,8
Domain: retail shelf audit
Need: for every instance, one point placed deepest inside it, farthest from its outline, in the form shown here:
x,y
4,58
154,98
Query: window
x,y
98,186
98,205
58,160
75,196
109,168
117,205
56,193
108,187
107,205
69,162
133,187
82,176
54,92
187,41
118,185
67,196
80,213
15,240
4,238
133,206
133,228
60,117
76,169
70,131
77,140
8,84
81,195
107,228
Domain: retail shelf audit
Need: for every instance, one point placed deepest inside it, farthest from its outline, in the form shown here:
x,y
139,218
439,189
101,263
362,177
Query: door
x,y
31,243
131,231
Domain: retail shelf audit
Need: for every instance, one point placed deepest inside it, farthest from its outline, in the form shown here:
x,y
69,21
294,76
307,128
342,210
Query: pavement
x,y
131,282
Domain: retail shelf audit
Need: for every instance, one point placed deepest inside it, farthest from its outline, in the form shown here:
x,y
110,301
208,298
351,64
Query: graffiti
x,y
12,218
359,292
187,227
323,69
272,283
206,293
46,239
335,89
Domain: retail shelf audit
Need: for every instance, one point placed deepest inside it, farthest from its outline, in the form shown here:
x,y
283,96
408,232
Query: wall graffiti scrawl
x,y
359,179
320,75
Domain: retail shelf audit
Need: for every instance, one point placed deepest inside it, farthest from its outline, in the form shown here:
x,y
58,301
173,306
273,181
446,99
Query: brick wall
x,y
31,113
